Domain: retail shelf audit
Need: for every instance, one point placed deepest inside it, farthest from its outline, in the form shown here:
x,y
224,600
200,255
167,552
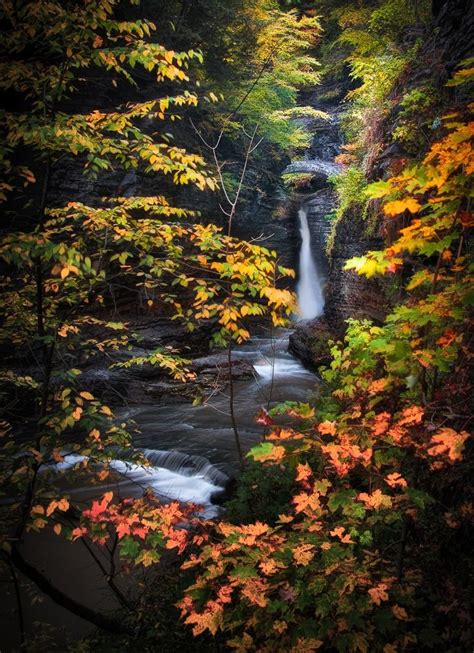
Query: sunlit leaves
x,y
399,206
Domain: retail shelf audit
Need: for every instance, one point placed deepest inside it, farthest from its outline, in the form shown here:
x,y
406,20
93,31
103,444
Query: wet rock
x,y
310,343
216,367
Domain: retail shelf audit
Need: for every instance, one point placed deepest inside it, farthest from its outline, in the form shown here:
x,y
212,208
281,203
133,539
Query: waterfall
x,y
310,294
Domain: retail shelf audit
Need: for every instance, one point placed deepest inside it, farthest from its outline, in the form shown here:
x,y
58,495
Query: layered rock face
x,y
348,294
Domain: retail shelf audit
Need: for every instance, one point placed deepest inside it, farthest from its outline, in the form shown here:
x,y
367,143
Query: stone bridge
x,y
316,167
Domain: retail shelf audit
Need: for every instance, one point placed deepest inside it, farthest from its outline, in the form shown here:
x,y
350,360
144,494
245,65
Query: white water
x,y
190,481
272,362
309,291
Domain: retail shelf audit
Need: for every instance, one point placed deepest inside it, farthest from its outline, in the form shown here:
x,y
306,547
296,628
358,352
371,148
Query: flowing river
x,y
191,448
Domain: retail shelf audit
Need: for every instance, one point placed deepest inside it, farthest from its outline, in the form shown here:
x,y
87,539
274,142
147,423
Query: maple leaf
x,y
375,500
377,386
448,441
99,507
177,539
251,532
122,528
224,595
303,554
80,531
303,472
379,593
285,434
381,423
267,452
339,532
327,428
210,619
395,480
285,519
141,531
306,501
411,415
148,557
268,567
400,206
254,591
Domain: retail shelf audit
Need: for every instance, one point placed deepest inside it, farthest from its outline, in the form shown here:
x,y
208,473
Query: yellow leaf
x,y
400,206
87,395
57,529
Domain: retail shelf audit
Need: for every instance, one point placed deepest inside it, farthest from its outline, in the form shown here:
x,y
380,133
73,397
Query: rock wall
x,y
346,294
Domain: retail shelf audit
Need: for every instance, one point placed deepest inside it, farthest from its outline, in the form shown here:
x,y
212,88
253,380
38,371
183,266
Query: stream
x,y
191,448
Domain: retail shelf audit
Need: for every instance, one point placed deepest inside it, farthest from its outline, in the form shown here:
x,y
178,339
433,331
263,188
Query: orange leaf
x,y
339,532
395,480
77,413
303,554
399,612
448,441
379,593
327,428
94,434
375,500
304,472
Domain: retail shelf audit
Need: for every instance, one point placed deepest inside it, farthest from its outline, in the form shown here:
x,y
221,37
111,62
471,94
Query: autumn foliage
x,y
347,565
369,553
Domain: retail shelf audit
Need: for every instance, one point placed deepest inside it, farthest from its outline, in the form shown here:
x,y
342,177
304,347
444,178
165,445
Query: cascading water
x,y
309,291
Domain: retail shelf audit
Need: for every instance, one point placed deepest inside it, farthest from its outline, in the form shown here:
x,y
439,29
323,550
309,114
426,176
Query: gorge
x,y
236,326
